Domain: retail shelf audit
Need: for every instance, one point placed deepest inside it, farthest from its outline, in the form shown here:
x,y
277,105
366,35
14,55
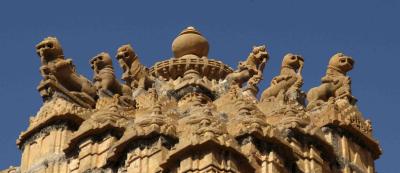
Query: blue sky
x,y
366,30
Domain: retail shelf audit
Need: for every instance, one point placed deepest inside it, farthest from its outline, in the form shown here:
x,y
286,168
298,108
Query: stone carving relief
x,y
203,124
248,119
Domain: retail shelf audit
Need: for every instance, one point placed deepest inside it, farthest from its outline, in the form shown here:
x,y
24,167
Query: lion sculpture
x,y
251,69
288,82
104,76
134,74
335,84
55,67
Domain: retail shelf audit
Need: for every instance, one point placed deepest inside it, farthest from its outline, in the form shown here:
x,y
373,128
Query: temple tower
x,y
194,114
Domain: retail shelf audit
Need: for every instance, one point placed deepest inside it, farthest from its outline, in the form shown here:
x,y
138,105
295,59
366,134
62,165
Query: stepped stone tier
x,y
193,114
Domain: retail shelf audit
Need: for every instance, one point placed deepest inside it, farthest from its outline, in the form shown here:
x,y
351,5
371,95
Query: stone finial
x,y
190,41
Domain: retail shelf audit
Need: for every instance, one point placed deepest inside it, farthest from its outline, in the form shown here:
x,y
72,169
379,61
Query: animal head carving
x,y
292,61
260,53
126,54
341,62
101,61
49,49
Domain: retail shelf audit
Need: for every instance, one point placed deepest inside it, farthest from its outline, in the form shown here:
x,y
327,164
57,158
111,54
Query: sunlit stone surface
x,y
193,114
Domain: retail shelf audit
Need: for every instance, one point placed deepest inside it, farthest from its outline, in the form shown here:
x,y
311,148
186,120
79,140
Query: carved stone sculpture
x,y
61,71
104,76
250,70
288,82
134,74
191,114
283,101
335,84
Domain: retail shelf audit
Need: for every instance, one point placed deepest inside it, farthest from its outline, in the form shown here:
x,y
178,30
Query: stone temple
x,y
193,114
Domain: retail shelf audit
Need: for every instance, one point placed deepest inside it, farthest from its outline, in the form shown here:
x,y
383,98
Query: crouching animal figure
x,y
251,69
104,77
62,71
335,84
288,82
134,74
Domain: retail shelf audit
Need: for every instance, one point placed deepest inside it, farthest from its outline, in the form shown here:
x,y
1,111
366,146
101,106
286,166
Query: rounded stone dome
x,y
190,41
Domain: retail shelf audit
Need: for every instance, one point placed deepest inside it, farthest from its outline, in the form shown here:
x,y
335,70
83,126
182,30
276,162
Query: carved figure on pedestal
x,y
104,77
335,84
287,85
134,74
61,71
250,70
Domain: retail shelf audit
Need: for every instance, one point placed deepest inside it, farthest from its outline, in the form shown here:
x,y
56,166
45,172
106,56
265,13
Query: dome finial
x,y
190,41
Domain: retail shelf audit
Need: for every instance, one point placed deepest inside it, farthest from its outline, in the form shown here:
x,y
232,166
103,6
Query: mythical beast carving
x,y
250,70
335,84
288,82
62,72
104,76
134,74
